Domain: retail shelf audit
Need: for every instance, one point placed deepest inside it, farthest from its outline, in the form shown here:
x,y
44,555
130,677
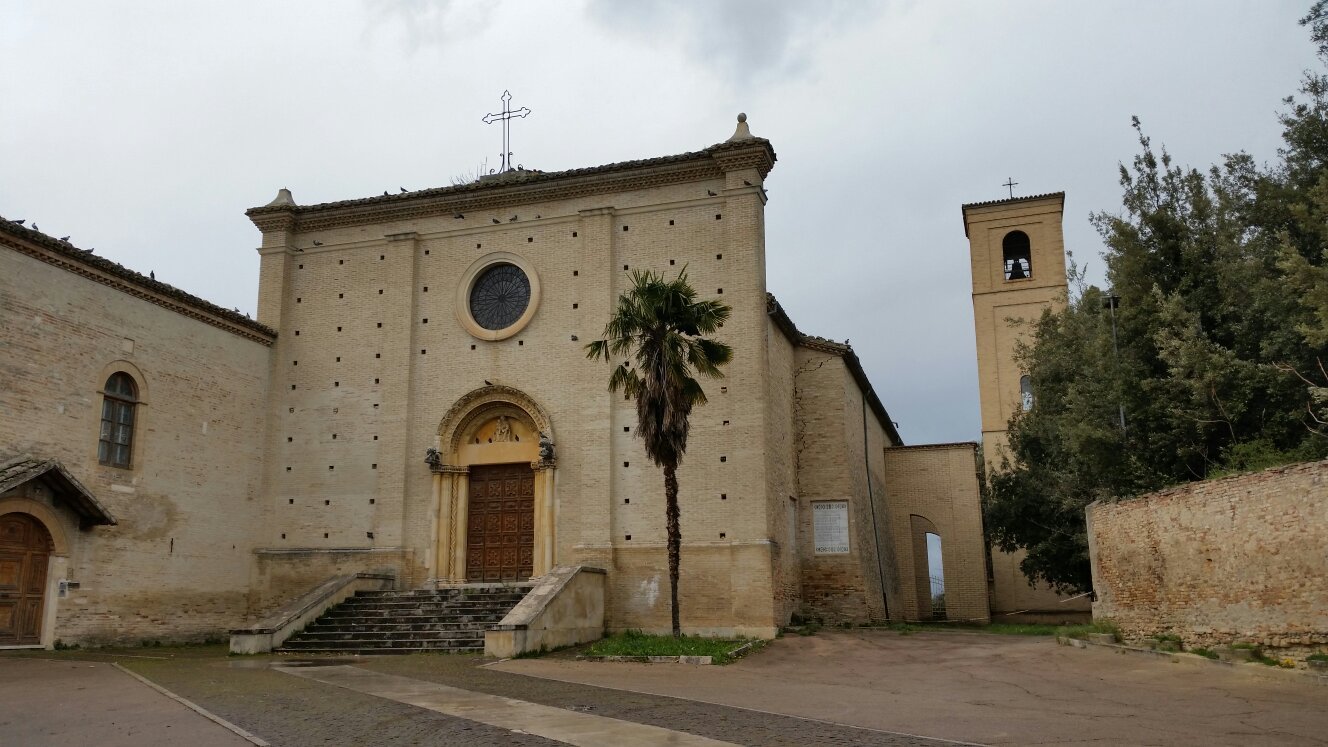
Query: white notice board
x,y
830,527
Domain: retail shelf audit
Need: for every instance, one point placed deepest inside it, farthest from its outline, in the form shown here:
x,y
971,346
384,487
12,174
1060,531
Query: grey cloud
x,y
740,39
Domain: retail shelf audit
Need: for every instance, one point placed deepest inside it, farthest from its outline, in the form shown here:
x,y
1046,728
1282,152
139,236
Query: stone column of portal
x,y
597,293
546,519
446,478
460,507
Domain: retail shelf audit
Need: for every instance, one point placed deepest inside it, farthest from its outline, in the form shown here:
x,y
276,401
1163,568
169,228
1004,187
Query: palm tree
x,y
659,327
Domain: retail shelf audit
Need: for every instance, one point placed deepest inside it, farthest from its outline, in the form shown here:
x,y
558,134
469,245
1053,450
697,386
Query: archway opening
x,y
1017,252
935,576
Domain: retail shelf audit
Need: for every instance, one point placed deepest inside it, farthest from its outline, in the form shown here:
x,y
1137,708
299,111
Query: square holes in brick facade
x,y
575,273
341,261
624,267
725,422
341,295
576,306
624,228
628,537
378,355
338,329
338,359
380,325
723,496
718,216
530,239
574,234
719,291
290,439
719,256
670,221
298,299
426,289
723,459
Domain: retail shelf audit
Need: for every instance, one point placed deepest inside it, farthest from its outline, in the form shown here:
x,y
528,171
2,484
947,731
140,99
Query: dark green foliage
x,y
1222,341
659,332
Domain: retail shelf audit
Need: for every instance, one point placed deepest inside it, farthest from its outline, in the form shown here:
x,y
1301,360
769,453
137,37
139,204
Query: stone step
x,y
491,599
409,618
400,628
390,635
397,650
446,644
405,621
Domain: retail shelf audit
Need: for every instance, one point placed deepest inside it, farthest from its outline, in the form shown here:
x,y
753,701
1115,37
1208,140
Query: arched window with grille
x,y
1018,255
116,442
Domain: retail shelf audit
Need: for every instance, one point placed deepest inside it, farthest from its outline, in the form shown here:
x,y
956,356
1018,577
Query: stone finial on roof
x,y
282,199
743,132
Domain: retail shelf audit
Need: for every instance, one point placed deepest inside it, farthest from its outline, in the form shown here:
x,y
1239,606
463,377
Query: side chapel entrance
x,y
25,550
501,526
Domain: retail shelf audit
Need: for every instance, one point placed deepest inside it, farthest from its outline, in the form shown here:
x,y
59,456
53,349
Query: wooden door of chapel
x,y
25,549
500,533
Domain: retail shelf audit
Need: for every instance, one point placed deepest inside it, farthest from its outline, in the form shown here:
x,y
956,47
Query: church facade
x,y
414,399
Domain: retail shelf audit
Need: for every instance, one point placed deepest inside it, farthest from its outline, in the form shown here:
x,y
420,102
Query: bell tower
x,y
1017,252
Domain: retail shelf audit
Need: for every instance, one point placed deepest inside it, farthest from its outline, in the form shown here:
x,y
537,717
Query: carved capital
x,y
540,465
448,469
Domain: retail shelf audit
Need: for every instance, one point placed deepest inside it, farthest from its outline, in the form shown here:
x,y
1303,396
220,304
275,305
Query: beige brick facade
x,y
1238,559
272,455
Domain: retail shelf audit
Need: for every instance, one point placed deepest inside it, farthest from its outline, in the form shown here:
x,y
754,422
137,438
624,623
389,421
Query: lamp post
x,y
1111,301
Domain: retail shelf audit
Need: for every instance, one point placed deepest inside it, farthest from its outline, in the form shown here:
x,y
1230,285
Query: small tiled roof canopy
x,y
17,470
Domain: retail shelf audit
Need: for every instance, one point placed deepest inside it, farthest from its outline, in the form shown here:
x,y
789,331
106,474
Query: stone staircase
x,y
403,622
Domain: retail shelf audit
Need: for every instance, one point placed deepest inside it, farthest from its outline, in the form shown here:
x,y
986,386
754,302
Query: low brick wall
x,y
1239,558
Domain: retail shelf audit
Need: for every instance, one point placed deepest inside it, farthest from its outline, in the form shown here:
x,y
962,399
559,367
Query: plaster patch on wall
x,y
649,590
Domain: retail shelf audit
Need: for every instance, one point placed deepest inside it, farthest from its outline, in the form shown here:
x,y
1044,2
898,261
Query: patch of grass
x,y
636,643
1320,656
1204,653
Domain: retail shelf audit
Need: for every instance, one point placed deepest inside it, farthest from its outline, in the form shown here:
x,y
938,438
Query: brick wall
x,y
177,565
935,489
1239,558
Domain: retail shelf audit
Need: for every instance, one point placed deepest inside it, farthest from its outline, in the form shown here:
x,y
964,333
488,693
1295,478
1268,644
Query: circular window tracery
x,y
499,296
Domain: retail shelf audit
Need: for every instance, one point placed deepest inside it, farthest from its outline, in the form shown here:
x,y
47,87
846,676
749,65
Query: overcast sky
x,y
145,129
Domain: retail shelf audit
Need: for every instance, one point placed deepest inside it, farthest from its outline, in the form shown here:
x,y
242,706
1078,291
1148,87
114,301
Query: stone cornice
x,y
517,188
67,257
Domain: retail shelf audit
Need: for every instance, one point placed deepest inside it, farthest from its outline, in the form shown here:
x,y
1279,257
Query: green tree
x,y
1221,335
660,327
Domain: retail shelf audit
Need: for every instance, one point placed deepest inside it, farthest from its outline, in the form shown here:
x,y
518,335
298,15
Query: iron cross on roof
x,y
1011,184
506,119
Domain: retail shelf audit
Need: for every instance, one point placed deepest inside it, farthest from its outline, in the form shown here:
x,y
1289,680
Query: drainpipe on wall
x,y
871,501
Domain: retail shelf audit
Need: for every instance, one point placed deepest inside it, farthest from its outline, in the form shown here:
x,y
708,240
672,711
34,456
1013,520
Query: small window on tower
x,y
1026,392
1016,251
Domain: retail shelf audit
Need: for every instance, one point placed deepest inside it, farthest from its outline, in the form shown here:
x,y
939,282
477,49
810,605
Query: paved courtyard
x,y
834,688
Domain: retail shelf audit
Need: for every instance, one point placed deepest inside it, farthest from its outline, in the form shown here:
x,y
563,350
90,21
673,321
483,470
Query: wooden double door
x,y
500,528
25,550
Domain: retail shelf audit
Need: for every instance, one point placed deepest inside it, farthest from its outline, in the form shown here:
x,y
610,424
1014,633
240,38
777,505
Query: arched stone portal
x,y
493,490
25,553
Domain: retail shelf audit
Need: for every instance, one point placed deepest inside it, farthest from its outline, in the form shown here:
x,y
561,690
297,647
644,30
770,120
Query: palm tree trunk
x,y
675,538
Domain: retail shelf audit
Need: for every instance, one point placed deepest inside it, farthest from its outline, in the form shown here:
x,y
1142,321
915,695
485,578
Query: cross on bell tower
x,y
506,119
1010,184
